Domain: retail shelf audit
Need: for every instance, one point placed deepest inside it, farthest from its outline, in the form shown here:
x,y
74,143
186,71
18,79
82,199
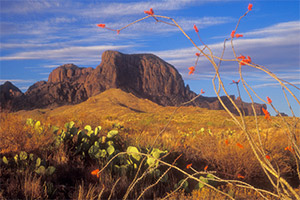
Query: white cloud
x,y
27,6
17,80
274,84
133,8
69,53
60,20
50,66
95,9
277,29
24,88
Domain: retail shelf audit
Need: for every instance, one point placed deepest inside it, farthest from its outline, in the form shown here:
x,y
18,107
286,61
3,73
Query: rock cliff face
x,y
65,85
144,75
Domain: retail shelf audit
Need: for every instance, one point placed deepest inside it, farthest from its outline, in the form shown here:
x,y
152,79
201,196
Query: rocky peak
x,y
69,73
8,92
144,75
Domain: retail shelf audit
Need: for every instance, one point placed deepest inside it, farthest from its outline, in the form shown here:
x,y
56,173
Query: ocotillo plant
x,y
282,189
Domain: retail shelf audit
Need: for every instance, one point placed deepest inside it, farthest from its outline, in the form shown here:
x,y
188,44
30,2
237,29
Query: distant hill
x,y
109,102
115,106
143,75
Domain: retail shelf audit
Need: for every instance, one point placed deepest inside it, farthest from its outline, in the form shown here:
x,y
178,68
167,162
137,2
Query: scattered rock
x,y
282,114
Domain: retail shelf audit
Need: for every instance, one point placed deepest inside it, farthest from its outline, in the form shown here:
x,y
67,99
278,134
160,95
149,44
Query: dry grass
x,y
209,194
33,187
16,136
60,156
91,192
199,134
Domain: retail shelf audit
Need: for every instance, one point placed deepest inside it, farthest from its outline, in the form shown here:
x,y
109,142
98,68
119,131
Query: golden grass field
x,y
205,138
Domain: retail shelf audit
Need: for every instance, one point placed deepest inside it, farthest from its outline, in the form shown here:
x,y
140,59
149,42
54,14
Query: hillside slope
x,y
117,106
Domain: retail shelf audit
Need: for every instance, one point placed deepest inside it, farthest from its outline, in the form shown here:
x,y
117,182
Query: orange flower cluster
x,y
197,54
241,57
101,25
95,173
235,35
289,148
236,82
268,157
188,166
196,29
269,100
239,145
150,12
244,60
205,168
232,34
227,142
192,70
250,7
238,35
267,114
202,91
240,176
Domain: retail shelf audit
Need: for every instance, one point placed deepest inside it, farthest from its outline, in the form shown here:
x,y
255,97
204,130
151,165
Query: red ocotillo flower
x,y
238,35
150,12
202,91
188,166
196,29
289,148
232,34
192,69
241,57
240,176
197,54
239,145
244,61
250,6
248,59
268,157
95,173
269,100
235,35
101,25
236,82
267,114
227,142
205,168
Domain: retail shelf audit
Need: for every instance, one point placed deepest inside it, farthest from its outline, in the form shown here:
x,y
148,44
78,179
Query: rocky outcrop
x,y
144,75
8,94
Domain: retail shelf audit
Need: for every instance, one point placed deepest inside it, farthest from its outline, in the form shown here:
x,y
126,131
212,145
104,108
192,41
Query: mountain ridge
x,y
144,75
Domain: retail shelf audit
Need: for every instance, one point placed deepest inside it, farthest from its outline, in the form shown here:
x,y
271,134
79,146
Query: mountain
x,y
8,94
143,75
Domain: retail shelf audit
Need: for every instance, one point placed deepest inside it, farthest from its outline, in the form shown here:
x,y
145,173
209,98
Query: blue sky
x,y
37,36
